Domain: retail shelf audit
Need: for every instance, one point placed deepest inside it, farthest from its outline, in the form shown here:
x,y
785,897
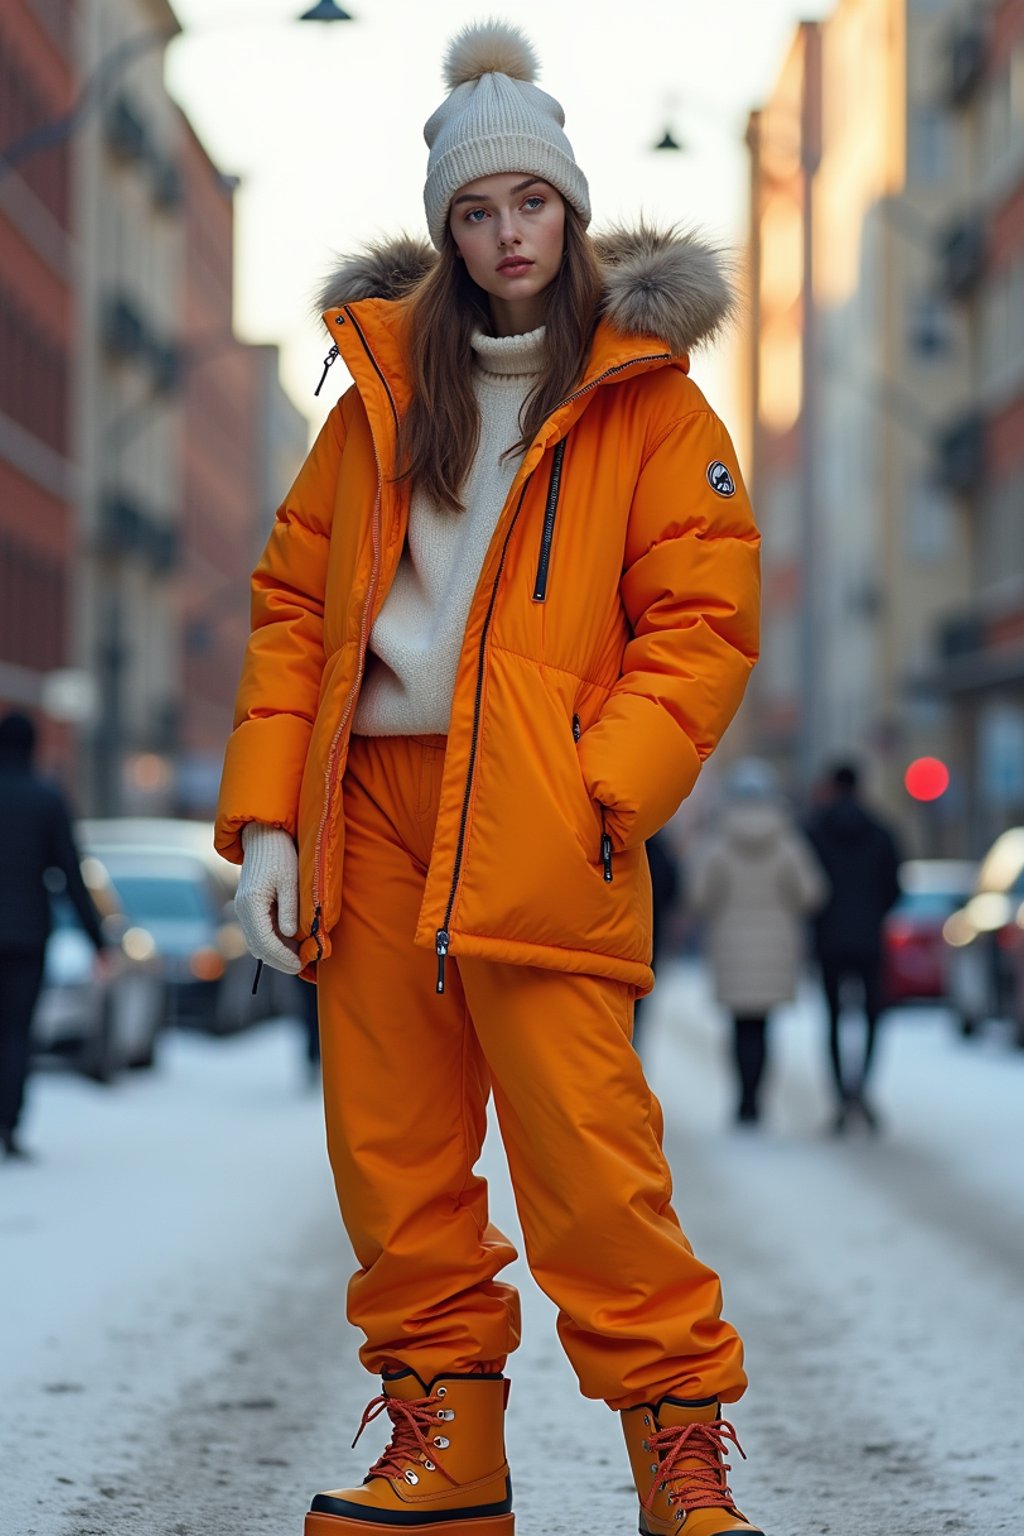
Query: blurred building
x,y
243,444
981,641
143,447
862,372
221,480
38,305
129,218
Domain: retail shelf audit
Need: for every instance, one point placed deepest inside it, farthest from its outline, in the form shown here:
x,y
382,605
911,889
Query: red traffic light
x,y
926,778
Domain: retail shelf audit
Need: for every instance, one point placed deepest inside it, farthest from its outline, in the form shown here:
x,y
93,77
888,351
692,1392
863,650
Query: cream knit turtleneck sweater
x,y
416,639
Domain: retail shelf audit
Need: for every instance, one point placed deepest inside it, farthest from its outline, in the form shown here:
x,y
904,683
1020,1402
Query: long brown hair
x,y
441,428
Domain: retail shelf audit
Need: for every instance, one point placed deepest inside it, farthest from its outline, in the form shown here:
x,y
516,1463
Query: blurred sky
x,y
325,126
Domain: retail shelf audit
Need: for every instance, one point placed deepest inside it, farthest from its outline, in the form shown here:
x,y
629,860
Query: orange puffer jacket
x,y
611,635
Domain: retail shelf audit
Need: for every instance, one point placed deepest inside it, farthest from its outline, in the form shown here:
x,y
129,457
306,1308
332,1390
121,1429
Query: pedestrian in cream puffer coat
x,y
757,880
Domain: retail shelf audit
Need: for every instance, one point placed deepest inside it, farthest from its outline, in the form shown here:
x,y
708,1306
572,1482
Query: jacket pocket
x,y
540,585
605,856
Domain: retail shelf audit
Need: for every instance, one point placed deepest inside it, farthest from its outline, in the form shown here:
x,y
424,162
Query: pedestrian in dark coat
x,y
861,858
35,835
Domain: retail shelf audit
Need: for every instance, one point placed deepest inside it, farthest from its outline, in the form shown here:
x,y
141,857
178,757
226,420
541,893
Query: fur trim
x,y
665,283
657,282
386,269
489,48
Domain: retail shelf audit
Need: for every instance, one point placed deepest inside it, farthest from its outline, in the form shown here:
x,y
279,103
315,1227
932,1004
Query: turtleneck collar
x,y
510,356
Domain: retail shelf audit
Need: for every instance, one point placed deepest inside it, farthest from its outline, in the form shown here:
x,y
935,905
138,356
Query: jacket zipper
x,y
606,846
314,931
654,357
606,842
329,361
443,936
540,586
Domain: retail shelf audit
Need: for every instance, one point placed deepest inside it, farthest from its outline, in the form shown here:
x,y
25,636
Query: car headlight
x,y
958,930
138,944
231,941
988,911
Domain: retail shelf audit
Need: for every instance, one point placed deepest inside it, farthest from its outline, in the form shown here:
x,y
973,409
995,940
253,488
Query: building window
x,y
1002,531
34,376
930,328
929,522
1002,321
929,146
33,594
997,117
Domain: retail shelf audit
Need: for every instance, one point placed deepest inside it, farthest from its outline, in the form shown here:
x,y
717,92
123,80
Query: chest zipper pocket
x,y
606,842
540,586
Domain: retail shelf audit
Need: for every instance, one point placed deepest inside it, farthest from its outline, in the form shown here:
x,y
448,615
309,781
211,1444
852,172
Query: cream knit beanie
x,y
493,120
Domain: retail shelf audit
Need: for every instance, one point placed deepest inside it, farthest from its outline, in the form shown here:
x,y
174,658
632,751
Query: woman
x,y
756,883
506,611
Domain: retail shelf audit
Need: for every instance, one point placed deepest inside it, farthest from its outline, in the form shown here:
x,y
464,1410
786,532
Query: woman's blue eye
x,y
534,198
471,216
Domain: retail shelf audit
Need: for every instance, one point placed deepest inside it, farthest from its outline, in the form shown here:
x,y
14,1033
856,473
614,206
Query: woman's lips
x,y
512,267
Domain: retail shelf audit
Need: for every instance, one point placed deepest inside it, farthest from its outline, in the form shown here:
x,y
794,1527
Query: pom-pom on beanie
x,y
493,120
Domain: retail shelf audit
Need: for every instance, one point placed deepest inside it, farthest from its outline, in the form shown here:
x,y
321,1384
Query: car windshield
x,y
929,903
162,897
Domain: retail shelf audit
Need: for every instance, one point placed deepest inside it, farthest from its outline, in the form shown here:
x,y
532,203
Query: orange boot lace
x,y
701,1484
410,1422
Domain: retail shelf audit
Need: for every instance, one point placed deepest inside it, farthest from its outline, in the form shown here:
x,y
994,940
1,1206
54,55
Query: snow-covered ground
x,y
174,1357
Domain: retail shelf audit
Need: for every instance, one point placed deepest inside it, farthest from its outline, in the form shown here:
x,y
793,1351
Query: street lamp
x,y
326,10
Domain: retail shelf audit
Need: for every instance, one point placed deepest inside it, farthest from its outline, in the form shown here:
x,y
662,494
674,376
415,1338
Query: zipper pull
x,y
314,931
577,729
444,938
256,978
606,854
328,360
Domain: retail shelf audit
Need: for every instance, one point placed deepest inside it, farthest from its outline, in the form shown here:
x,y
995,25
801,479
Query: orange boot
x,y
443,1471
677,1452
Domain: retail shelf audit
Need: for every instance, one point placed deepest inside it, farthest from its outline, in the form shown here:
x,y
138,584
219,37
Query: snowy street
x,y
175,1359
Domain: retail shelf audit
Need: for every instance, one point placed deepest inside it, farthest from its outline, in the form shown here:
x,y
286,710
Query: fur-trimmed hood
x,y
664,283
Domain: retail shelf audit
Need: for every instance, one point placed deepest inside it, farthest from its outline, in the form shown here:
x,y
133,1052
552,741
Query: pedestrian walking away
x,y
36,836
504,614
754,884
861,860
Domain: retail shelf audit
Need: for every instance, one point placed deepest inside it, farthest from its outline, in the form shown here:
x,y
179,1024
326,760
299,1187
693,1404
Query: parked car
x,y
914,961
101,1014
985,939
222,1002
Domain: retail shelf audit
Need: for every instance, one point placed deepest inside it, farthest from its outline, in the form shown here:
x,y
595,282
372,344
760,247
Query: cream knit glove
x,y
267,900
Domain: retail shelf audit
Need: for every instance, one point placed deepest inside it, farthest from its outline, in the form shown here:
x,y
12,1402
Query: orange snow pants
x,y
407,1074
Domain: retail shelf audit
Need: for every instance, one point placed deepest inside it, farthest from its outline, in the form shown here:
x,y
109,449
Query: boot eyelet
x,y
430,1466
442,1391
442,1442
410,1476
647,1422
654,1468
646,1445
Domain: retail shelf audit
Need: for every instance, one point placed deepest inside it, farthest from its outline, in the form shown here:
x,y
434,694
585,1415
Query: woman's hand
x,y
267,900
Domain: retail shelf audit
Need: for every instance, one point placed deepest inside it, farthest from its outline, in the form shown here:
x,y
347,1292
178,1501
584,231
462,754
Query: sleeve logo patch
x,y
720,479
